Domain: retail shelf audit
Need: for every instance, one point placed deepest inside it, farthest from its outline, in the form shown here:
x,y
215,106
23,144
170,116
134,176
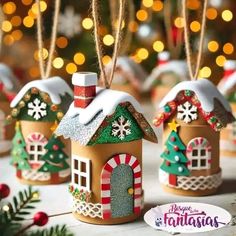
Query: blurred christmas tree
x,y
75,47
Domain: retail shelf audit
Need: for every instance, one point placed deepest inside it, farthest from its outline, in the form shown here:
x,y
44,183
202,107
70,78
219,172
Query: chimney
x,y
163,57
229,68
84,88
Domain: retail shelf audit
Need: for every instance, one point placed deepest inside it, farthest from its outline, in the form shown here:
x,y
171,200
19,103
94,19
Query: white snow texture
x,y
205,91
54,87
106,100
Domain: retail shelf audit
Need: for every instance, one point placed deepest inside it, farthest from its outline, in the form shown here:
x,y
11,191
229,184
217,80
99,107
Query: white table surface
x,y
56,199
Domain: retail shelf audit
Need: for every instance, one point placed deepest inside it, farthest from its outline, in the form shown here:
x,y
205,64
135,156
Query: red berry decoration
x,y
168,163
176,148
4,191
55,147
40,218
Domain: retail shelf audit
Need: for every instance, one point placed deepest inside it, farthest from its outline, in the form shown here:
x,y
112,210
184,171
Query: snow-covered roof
x,y
55,87
8,79
80,124
129,67
178,67
228,85
205,91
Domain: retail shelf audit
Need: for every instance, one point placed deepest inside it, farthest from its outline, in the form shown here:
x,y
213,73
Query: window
x,y
35,146
81,172
199,154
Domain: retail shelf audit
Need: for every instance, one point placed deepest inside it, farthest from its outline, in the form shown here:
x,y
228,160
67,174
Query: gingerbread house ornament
x,y
38,155
128,76
164,76
106,128
9,86
192,114
227,87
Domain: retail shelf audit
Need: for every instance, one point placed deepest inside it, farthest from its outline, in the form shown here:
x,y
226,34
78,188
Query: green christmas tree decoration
x,y
55,158
175,160
19,154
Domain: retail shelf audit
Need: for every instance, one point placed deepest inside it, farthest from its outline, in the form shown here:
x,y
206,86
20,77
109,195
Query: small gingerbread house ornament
x,y
38,155
193,114
227,87
128,77
106,128
164,76
9,86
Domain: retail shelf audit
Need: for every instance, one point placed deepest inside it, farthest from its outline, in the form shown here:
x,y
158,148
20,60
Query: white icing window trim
x,y
202,161
80,173
35,147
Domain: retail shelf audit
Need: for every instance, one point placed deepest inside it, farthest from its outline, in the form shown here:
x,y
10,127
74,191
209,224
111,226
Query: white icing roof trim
x,y
106,100
178,67
227,84
204,90
54,87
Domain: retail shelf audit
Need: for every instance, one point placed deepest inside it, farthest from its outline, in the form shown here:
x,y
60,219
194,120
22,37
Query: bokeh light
x,y
205,72
158,46
195,26
220,60
16,21
71,68
58,63
6,26
62,42
108,40
213,46
106,59
147,3
142,53
228,48
179,22
227,15
79,58
87,23
9,8
28,21
142,15
157,5
211,13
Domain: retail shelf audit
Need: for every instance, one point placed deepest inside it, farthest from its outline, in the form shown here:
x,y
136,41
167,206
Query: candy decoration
x,y
176,148
177,158
40,218
4,191
180,169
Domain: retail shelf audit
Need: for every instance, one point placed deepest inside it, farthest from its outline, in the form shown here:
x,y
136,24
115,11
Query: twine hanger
x,y
194,75
45,70
174,48
107,82
2,18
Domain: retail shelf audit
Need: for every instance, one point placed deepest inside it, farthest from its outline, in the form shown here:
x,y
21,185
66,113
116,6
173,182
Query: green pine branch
x,y
53,231
9,220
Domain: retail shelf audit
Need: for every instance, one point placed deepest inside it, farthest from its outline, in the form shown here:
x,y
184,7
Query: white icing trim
x,y
34,175
54,86
205,91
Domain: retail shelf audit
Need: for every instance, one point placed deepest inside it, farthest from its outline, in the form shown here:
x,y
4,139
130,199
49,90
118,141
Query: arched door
x,y
122,201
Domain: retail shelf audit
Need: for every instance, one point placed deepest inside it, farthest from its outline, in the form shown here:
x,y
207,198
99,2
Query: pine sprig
x,y
53,231
9,219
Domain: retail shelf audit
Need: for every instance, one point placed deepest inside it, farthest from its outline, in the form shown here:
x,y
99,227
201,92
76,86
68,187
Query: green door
x,y
122,201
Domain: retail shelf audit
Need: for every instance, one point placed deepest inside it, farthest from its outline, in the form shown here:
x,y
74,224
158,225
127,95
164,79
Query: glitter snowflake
x,y
187,112
37,109
121,128
69,23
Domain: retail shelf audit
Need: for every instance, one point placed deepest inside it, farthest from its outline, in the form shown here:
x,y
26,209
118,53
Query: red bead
x,y
172,139
167,163
4,191
40,218
55,147
176,148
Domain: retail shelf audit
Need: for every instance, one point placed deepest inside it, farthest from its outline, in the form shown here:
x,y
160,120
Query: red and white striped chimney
x,y
229,68
163,57
84,88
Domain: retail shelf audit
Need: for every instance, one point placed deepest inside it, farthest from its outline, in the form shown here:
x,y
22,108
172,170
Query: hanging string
x,y
129,17
193,75
2,17
107,82
174,47
45,70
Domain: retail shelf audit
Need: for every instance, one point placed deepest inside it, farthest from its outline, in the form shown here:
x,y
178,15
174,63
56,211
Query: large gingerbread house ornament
x,y
106,128
38,155
9,86
193,114
227,87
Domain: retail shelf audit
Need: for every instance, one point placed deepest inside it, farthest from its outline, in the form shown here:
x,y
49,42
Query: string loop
x,y
194,75
45,70
107,82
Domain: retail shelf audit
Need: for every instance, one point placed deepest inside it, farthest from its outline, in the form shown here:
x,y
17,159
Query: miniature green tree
x,y
55,158
19,154
174,159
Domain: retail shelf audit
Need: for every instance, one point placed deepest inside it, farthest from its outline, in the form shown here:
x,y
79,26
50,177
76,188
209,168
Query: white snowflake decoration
x,y
187,112
37,109
69,23
121,128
